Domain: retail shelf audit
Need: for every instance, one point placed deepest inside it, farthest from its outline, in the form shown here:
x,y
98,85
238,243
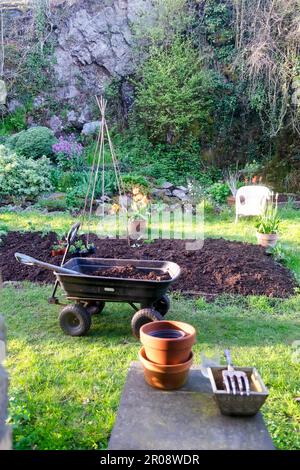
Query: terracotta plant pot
x,y
165,377
168,342
59,252
267,240
231,200
136,228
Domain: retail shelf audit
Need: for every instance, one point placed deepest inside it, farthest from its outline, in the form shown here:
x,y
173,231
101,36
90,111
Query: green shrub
x,y
11,141
173,162
73,201
139,156
175,93
132,180
14,122
52,204
76,184
90,147
76,195
110,184
208,207
22,177
219,192
33,143
163,162
64,180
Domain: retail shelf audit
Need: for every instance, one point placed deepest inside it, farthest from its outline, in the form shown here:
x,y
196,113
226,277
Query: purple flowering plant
x,y
68,152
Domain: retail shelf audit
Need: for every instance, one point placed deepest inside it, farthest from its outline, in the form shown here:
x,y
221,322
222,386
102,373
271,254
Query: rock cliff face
x,y
94,44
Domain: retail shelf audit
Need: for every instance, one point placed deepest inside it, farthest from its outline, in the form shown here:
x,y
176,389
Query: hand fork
x,y
231,377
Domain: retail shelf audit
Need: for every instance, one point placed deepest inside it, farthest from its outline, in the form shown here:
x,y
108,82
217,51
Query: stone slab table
x,y
185,419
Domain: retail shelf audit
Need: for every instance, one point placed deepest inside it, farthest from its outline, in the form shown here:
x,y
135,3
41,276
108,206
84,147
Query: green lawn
x,y
65,392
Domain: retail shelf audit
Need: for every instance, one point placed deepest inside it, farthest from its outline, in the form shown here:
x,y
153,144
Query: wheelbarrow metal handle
x,y
70,238
29,261
72,233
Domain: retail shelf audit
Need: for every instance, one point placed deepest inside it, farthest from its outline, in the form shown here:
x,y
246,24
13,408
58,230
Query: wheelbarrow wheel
x,y
94,308
75,320
162,305
143,316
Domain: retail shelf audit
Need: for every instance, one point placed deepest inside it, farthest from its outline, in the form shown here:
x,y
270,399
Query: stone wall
x,y
5,432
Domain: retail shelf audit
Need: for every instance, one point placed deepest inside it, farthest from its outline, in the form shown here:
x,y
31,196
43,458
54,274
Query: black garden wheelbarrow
x,y
90,293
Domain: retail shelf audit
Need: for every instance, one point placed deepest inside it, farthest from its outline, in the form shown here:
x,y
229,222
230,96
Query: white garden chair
x,y
251,200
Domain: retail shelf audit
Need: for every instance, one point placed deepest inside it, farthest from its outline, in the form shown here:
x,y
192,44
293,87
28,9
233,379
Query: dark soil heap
x,y
220,266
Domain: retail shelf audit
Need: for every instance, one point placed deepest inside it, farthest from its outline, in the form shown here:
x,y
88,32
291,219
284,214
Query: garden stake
x,y
99,164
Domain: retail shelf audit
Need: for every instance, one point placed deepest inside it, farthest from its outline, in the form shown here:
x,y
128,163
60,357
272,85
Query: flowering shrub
x,y
68,153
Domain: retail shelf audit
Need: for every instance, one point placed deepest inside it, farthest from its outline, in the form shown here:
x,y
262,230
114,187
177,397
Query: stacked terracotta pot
x,y
166,354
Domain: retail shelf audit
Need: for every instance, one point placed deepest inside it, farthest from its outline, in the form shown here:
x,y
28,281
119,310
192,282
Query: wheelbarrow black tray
x,y
88,287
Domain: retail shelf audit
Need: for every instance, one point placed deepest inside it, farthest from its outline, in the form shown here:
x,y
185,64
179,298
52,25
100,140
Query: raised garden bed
x,y
221,266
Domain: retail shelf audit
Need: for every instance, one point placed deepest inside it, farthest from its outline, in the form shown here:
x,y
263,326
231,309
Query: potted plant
x,y
138,216
268,223
59,249
137,224
80,249
232,177
250,172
